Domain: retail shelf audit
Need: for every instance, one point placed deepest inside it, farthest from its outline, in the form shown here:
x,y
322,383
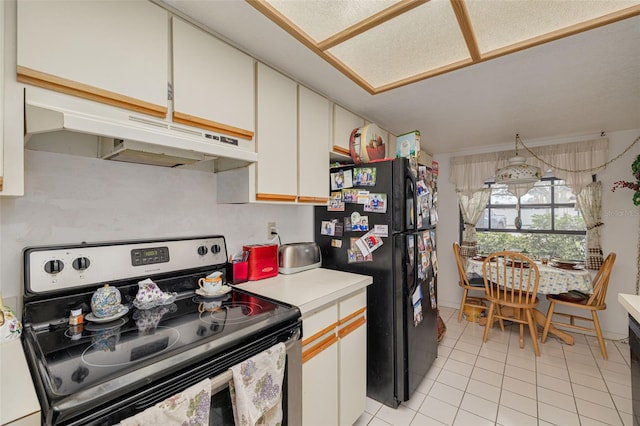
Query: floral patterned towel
x,y
256,388
188,408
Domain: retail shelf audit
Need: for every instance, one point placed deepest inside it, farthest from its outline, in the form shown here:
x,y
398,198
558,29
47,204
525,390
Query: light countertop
x,y
631,303
17,395
309,290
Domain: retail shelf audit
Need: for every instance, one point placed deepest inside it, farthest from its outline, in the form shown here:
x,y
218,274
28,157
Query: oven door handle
x,y
222,380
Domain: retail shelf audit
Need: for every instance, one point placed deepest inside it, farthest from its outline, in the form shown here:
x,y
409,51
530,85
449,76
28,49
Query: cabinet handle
x,y
351,327
340,150
275,197
319,200
319,334
307,355
192,120
1,182
353,315
70,87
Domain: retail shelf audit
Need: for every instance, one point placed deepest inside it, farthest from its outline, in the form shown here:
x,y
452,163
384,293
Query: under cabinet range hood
x,y
133,137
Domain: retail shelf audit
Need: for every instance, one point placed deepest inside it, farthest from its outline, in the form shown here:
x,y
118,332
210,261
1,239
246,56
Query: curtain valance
x,y
468,173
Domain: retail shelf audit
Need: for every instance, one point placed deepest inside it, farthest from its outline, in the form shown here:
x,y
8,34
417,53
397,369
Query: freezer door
x,y
420,311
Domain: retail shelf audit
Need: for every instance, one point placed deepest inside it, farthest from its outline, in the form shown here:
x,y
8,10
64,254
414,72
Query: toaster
x,y
298,257
263,261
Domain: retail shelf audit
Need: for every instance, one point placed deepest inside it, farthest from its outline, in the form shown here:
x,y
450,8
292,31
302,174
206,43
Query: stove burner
x,y
94,326
107,350
235,313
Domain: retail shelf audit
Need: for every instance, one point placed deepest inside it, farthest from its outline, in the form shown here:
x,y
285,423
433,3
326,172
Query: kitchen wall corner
x,y
70,199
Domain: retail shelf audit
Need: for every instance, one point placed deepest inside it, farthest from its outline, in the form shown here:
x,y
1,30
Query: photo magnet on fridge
x,y
364,176
377,203
341,179
327,228
336,203
350,195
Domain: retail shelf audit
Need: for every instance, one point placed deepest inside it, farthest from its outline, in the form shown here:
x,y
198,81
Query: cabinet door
x,y
343,124
114,52
213,83
2,50
352,353
320,368
313,157
276,136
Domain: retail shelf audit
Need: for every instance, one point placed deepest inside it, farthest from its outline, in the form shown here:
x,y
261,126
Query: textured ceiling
x,y
418,39
576,85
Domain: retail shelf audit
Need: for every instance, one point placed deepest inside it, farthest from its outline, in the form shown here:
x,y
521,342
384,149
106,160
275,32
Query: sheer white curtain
x,y
472,207
590,205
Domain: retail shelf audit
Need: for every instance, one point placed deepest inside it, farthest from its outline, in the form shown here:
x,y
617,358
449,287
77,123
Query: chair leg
x,y
464,300
521,335
596,324
547,322
489,322
499,310
533,331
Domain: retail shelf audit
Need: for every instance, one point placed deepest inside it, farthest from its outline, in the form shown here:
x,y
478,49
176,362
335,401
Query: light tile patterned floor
x,y
471,384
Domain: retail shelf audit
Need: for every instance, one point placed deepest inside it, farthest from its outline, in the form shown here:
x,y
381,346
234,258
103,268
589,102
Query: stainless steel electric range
x,y
103,372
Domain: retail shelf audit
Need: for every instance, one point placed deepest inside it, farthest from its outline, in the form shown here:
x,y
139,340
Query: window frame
x,y
552,206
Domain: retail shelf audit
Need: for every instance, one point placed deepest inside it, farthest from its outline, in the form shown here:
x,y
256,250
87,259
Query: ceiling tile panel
x,y
423,39
498,24
321,19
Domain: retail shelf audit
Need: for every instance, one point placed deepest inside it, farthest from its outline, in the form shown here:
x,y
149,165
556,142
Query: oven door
x,y
221,412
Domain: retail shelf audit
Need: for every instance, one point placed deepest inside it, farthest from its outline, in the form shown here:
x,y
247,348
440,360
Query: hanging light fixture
x,y
518,171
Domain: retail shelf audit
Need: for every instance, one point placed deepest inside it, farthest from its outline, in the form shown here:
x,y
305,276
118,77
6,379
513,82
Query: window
x,y
551,223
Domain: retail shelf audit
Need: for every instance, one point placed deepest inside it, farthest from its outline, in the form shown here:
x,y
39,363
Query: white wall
x,y
71,199
620,232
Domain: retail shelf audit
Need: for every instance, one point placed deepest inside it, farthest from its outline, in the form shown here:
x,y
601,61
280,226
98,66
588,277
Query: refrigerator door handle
x,y
411,202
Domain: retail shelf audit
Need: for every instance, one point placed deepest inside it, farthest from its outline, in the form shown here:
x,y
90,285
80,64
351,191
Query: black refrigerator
x,y
380,221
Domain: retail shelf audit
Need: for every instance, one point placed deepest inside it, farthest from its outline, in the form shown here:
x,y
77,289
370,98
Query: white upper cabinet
x,y
344,122
2,50
276,136
114,52
313,156
213,83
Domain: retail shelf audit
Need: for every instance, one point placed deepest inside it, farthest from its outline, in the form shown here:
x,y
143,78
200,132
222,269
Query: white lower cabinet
x,y
334,359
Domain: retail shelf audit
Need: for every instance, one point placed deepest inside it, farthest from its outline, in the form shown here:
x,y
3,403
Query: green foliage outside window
x,y
537,245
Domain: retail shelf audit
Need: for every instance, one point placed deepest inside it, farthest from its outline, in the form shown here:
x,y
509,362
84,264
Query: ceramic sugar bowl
x,y
106,302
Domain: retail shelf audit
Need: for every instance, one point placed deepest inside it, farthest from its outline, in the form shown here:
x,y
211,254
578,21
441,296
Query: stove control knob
x,y
215,248
54,266
202,250
81,263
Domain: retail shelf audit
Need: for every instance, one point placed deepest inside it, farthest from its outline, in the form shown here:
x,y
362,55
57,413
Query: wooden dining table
x,y
553,280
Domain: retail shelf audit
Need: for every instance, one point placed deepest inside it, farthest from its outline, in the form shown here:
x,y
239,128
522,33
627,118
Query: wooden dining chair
x,y
594,303
468,284
511,283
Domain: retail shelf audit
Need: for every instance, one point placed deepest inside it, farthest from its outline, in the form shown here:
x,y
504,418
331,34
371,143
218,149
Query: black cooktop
x,y
76,358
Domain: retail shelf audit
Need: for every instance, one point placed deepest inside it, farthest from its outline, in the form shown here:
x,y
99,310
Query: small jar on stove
x,y
76,317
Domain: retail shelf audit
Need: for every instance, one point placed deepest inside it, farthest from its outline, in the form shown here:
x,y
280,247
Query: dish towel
x,y
187,408
256,388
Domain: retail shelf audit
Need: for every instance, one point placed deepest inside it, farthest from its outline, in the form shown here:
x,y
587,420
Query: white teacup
x,y
210,285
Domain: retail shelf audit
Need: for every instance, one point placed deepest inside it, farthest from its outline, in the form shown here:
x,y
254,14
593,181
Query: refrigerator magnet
x,y
354,255
327,228
341,179
336,243
363,197
364,176
368,243
377,203
381,230
336,203
349,195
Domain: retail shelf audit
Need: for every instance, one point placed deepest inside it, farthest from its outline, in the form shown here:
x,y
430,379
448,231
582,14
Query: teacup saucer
x,y
93,318
223,290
